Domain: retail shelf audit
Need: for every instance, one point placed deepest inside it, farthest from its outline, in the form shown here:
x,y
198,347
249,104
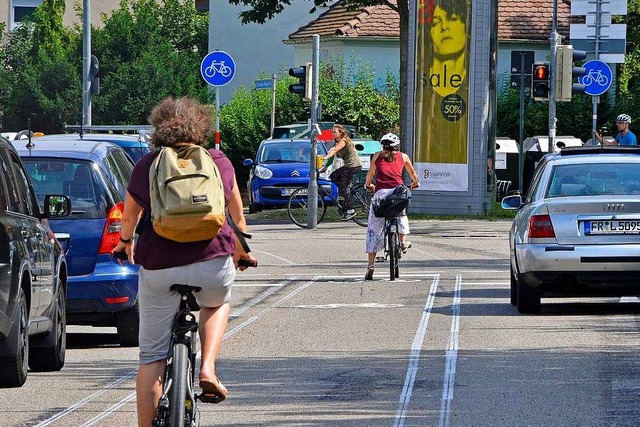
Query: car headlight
x,y
262,172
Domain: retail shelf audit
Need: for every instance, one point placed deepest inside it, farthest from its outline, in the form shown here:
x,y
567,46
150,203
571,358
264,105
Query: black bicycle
x,y
177,404
392,249
298,204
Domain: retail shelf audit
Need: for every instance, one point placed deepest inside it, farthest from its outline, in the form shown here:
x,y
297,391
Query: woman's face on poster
x,y
448,32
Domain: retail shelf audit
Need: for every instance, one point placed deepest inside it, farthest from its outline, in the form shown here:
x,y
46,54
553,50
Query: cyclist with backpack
x,y
387,166
168,253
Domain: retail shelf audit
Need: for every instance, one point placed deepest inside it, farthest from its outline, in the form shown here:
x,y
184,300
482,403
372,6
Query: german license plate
x,y
289,191
625,226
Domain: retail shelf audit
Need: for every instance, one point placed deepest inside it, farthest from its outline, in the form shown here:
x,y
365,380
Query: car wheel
x,y
528,299
128,324
514,288
15,348
51,348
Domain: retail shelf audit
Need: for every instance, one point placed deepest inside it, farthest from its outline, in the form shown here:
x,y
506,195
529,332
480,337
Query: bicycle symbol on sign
x,y
217,67
595,76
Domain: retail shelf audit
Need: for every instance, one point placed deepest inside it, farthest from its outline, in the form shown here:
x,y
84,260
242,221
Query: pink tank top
x,y
389,174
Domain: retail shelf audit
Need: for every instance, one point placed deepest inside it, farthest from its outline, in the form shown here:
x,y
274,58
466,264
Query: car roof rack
x,y
143,131
595,149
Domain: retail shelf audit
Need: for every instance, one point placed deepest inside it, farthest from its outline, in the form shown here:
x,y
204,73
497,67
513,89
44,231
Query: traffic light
x,y
94,68
565,86
304,76
540,81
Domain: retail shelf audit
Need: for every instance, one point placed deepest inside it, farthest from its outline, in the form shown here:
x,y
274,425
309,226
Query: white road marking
x,y
361,305
257,285
451,357
414,358
629,299
285,260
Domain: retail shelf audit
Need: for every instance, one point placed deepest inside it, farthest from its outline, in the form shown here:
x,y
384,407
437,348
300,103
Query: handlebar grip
x,y
247,263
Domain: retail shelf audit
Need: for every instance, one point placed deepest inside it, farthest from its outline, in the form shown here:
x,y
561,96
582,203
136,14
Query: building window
x,y
22,9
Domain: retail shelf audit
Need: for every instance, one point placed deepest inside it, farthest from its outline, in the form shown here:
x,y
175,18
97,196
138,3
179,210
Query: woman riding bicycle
x,y
210,264
387,166
342,177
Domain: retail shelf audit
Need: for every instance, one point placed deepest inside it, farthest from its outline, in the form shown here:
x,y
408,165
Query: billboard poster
x,y
442,94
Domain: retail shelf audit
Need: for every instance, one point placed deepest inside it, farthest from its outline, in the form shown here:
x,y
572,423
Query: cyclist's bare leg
x,y
213,324
149,390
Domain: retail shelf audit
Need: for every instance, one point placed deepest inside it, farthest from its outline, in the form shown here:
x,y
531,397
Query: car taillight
x,y
111,232
540,226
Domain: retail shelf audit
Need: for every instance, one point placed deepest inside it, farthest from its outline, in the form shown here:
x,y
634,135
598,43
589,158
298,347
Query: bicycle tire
x,y
393,243
297,207
361,201
179,377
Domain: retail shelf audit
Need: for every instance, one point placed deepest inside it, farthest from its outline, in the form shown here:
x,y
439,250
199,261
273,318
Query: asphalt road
x,y
312,344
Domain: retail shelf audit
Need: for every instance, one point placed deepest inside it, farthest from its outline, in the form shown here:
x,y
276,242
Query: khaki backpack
x,y
187,196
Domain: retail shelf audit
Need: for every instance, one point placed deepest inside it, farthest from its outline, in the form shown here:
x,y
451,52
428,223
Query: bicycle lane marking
x,y
451,357
414,358
131,396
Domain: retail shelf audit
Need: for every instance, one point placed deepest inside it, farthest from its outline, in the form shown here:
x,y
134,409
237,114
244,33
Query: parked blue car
x,y
94,174
281,166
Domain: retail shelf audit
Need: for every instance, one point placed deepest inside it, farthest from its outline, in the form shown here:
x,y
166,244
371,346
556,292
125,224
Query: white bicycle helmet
x,y
390,140
623,118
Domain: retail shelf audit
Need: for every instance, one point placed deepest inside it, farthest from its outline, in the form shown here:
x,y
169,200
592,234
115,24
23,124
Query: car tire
x,y
128,325
14,364
514,288
51,348
528,299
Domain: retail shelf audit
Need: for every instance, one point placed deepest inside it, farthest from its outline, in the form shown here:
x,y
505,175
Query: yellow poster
x,y
442,94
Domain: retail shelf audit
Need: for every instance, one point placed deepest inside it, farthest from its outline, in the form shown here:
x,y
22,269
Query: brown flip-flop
x,y
212,390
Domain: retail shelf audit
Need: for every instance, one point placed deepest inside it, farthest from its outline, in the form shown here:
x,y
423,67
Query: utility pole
x,y
553,78
312,211
86,63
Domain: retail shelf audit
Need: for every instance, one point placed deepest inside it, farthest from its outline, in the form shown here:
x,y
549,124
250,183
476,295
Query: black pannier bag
x,y
393,203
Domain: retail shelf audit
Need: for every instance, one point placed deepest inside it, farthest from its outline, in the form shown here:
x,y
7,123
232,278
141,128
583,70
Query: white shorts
x,y
375,230
158,305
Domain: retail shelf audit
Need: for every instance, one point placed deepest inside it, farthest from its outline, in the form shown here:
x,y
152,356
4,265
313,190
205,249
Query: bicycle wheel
x,y
361,200
298,205
179,377
394,245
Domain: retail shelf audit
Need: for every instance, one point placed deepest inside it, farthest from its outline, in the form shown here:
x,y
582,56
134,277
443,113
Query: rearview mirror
x,y
512,202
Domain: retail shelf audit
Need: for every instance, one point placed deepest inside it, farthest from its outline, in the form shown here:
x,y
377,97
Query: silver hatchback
x,y
577,231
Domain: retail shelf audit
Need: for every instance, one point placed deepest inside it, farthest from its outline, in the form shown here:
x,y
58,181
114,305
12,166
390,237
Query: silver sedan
x,y
577,231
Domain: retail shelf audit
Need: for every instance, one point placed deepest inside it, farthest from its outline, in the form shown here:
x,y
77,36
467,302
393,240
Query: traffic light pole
x,y
86,63
312,211
553,78
521,145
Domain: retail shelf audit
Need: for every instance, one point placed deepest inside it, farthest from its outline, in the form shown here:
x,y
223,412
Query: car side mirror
x,y
512,202
57,206
247,163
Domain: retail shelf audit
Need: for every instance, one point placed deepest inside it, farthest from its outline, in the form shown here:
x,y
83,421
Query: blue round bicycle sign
x,y
217,68
597,79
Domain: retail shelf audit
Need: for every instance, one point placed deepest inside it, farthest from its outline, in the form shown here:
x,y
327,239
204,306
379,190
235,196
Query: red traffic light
x,y
541,72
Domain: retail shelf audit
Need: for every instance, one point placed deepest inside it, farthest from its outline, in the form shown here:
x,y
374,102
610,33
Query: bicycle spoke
x,y
361,200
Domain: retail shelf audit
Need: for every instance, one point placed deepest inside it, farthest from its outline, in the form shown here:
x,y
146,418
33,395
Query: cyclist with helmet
x,y
624,135
387,166
342,177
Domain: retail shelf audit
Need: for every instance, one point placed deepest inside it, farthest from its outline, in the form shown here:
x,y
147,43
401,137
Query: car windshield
x,y
73,178
594,179
288,152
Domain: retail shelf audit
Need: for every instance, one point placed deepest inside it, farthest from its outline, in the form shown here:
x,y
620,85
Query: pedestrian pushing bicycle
x,y
387,167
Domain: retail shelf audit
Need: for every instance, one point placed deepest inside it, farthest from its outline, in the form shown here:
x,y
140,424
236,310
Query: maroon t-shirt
x,y
154,252
389,174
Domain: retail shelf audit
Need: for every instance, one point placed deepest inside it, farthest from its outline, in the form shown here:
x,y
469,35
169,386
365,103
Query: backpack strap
x,y
242,236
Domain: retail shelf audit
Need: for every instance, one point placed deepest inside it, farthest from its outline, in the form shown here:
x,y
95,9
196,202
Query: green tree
x,y
148,51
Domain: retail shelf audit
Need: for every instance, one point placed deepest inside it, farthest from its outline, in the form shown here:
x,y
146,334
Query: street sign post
x,y
597,79
217,69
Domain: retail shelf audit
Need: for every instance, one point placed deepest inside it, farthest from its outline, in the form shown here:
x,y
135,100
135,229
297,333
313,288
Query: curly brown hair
x,y
181,120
